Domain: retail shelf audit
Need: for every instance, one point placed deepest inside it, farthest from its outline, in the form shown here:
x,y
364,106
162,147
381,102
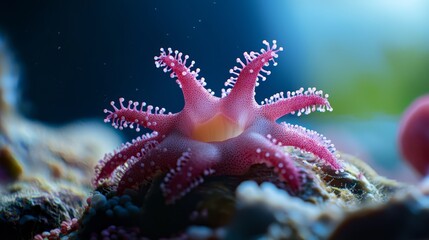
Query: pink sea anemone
x,y
212,135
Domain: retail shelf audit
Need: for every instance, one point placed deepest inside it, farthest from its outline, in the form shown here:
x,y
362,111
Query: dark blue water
x,y
76,57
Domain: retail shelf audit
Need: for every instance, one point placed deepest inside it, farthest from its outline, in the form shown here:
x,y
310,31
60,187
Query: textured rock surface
x,y
32,206
222,208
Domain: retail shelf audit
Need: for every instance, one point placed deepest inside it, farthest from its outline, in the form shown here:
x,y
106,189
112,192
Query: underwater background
x,y
62,63
372,57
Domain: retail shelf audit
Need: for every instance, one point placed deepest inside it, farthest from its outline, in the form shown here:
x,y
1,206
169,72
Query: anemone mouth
x,y
218,128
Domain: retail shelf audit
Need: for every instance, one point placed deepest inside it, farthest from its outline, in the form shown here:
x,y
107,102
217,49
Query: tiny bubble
x,y
59,47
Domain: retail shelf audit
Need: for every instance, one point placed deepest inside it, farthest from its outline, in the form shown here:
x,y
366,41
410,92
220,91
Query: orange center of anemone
x,y
218,128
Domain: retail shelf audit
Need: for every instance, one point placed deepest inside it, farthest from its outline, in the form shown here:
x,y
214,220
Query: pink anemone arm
x,y
299,101
189,172
133,117
136,149
194,91
248,74
307,140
